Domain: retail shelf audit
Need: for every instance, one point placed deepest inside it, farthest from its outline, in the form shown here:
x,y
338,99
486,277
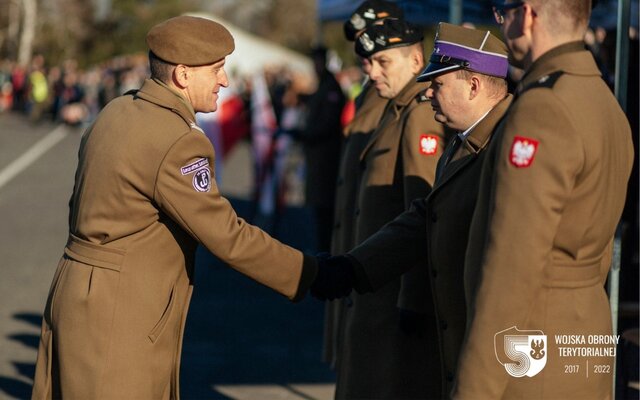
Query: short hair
x,y
159,68
496,87
576,14
417,47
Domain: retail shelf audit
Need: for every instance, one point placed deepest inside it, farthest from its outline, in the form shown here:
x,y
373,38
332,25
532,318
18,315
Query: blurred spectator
x,y
6,89
19,85
38,89
70,106
321,141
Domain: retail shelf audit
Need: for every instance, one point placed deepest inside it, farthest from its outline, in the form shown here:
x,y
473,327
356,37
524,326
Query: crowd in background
x,y
67,93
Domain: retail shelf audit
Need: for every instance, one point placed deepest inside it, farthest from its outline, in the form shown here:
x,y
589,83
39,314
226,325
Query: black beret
x,y
190,41
367,14
391,33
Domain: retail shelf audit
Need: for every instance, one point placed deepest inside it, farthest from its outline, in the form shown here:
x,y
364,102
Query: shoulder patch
x,y
190,168
523,150
546,81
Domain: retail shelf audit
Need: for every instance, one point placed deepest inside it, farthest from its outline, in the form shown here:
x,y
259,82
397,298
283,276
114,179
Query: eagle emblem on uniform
x,y
523,150
428,144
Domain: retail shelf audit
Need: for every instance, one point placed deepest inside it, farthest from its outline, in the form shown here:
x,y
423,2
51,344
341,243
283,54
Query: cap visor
x,y
434,69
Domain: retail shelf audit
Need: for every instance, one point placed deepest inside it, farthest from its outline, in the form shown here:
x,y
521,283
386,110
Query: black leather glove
x,y
335,277
412,323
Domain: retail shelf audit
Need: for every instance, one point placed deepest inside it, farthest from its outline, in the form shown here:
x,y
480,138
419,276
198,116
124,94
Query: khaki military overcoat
x,y
356,136
144,197
551,193
378,359
434,233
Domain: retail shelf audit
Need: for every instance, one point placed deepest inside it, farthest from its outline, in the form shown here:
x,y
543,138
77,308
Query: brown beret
x,y
190,41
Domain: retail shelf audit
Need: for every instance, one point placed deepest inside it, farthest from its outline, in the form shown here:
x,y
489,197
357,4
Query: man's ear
x,y
475,85
417,61
181,76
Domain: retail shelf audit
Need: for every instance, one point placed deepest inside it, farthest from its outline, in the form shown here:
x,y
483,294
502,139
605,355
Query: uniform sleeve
x,y
186,191
539,159
422,145
397,246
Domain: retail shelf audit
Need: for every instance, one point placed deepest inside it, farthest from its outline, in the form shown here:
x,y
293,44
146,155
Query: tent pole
x,y
621,79
455,12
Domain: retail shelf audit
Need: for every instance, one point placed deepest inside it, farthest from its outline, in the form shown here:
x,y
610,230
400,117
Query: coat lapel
x,y
393,111
476,142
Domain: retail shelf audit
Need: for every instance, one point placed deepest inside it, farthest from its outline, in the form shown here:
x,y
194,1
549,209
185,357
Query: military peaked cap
x,y
457,47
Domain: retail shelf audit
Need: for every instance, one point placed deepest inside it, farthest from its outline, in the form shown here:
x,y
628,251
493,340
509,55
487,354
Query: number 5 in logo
x,y
522,353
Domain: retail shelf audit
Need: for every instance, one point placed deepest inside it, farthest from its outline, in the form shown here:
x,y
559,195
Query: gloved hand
x,y
412,323
335,277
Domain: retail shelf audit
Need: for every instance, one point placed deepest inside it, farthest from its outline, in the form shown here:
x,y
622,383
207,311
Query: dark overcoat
x,y
356,136
435,230
378,359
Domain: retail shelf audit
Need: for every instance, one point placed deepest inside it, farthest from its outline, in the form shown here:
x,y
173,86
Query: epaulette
x,y
546,81
422,97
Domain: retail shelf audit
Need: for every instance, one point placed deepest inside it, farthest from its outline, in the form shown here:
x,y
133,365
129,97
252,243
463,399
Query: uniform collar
x,y
157,92
409,92
479,136
572,58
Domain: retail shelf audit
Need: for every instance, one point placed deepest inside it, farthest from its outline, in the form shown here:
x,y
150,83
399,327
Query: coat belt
x,y
573,276
94,254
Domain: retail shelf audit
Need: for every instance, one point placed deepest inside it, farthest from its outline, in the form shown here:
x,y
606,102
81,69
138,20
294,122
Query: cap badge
x,y
523,151
358,22
369,14
366,42
428,144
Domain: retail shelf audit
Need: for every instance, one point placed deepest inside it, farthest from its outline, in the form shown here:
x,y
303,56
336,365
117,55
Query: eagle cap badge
x,y
523,151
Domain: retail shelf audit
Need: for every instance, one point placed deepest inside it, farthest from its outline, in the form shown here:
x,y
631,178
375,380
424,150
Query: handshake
x,y
336,277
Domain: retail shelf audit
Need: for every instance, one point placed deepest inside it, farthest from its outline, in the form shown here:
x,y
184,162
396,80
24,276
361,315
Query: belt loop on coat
x,y
94,254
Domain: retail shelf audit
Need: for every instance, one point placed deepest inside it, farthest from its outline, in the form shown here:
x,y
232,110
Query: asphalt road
x,y
242,341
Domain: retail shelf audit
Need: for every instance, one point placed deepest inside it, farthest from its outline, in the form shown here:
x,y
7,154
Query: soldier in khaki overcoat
x,y
381,356
469,93
551,194
144,197
369,108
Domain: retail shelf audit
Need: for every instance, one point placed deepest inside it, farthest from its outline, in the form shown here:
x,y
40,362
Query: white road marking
x,y
30,156
300,391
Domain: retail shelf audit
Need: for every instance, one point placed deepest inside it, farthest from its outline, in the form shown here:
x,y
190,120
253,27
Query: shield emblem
x,y
522,353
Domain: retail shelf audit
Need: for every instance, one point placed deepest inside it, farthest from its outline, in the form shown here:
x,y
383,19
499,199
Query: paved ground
x,y
242,341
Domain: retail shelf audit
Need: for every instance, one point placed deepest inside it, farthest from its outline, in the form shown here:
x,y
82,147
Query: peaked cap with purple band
x,y
457,47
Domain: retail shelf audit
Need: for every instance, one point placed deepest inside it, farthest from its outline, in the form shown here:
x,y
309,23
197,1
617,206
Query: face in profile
x,y
392,69
449,97
204,85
